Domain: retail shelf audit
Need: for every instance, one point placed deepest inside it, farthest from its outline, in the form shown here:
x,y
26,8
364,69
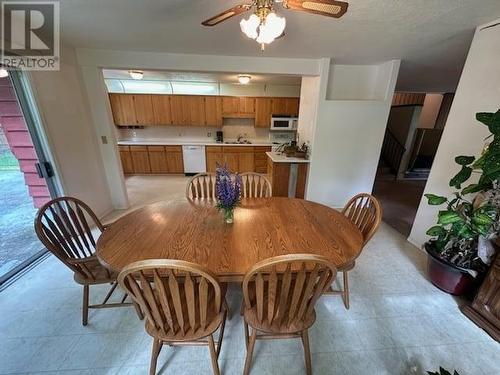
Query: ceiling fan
x,y
264,26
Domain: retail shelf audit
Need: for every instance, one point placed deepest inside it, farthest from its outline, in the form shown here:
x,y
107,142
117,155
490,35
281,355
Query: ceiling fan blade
x,y
234,11
330,8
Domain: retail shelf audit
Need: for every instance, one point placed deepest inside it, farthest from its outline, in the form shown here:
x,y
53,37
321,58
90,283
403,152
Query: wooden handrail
x,y
392,151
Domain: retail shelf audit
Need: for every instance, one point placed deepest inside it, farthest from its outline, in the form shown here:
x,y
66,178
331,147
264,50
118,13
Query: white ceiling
x,y
203,77
431,37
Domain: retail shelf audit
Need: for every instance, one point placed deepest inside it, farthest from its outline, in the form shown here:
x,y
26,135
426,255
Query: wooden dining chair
x,y
183,302
65,227
201,187
279,298
255,185
365,212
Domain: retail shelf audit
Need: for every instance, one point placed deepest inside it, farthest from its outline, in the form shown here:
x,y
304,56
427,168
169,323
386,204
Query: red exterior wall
x,y
19,140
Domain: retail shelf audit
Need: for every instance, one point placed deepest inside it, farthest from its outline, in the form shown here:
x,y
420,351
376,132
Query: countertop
x,y
277,157
156,142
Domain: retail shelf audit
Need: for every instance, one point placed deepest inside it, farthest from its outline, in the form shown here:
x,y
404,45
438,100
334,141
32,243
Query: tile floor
x,y
398,324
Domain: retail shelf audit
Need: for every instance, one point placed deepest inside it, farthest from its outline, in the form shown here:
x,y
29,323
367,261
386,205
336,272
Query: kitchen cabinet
x,y
143,106
162,112
260,159
126,158
122,106
285,106
238,107
175,162
239,158
177,110
246,162
194,107
132,109
196,110
263,112
140,159
168,159
214,157
157,159
213,111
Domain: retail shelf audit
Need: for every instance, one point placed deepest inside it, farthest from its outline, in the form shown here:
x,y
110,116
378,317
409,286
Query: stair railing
x,y
392,151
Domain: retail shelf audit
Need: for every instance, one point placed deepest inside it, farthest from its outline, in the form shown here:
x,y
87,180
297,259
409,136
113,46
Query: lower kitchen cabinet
x,y
260,159
175,163
214,157
231,161
246,162
168,159
140,159
126,158
157,159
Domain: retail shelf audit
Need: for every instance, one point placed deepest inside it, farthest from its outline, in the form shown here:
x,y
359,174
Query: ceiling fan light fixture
x,y
271,28
249,26
136,74
275,25
244,79
4,73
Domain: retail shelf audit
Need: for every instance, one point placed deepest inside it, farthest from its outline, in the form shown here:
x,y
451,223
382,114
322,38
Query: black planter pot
x,y
448,277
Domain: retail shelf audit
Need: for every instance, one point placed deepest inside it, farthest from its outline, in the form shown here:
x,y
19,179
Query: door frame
x,y
21,82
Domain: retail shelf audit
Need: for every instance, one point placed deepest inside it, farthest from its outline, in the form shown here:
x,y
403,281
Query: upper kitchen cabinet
x,y
161,109
263,112
285,106
195,108
178,112
238,107
132,109
143,106
122,107
213,111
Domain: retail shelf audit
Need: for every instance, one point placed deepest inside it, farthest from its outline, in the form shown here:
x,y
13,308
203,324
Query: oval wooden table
x,y
262,228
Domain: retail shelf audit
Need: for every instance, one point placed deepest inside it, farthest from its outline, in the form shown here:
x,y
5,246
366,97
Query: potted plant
x,y
227,192
460,249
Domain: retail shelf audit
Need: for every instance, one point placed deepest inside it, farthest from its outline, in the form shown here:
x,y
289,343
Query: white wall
x,y
348,135
309,96
65,113
478,91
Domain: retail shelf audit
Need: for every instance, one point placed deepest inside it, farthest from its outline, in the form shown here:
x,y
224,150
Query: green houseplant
x,y
468,220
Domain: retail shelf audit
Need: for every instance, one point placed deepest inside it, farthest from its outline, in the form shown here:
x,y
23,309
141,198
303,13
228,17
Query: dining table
x,y
195,231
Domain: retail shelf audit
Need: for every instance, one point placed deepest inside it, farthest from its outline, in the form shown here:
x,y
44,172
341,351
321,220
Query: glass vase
x,y
229,215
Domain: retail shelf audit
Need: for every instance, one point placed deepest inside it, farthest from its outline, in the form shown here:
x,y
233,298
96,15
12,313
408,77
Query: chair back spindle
x,y
365,212
284,290
255,185
180,300
64,225
201,186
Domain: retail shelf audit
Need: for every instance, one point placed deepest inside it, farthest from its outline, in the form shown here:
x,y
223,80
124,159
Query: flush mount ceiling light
x,y
3,73
244,79
136,74
264,25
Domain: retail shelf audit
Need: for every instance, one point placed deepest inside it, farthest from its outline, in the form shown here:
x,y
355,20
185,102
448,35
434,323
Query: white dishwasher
x,y
194,159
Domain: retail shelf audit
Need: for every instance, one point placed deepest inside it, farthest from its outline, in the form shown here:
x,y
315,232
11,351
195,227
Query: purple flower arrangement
x,y
227,191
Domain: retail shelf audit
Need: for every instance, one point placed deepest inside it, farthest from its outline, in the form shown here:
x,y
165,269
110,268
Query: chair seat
x,y
275,326
101,274
213,319
348,266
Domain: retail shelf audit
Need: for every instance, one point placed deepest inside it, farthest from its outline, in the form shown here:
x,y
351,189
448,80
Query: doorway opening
x,y
412,136
26,176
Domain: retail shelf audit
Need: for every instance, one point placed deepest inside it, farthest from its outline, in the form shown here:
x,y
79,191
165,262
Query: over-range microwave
x,y
284,123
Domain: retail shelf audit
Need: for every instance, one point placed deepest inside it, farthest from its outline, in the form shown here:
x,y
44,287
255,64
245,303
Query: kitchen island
x,y
288,175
